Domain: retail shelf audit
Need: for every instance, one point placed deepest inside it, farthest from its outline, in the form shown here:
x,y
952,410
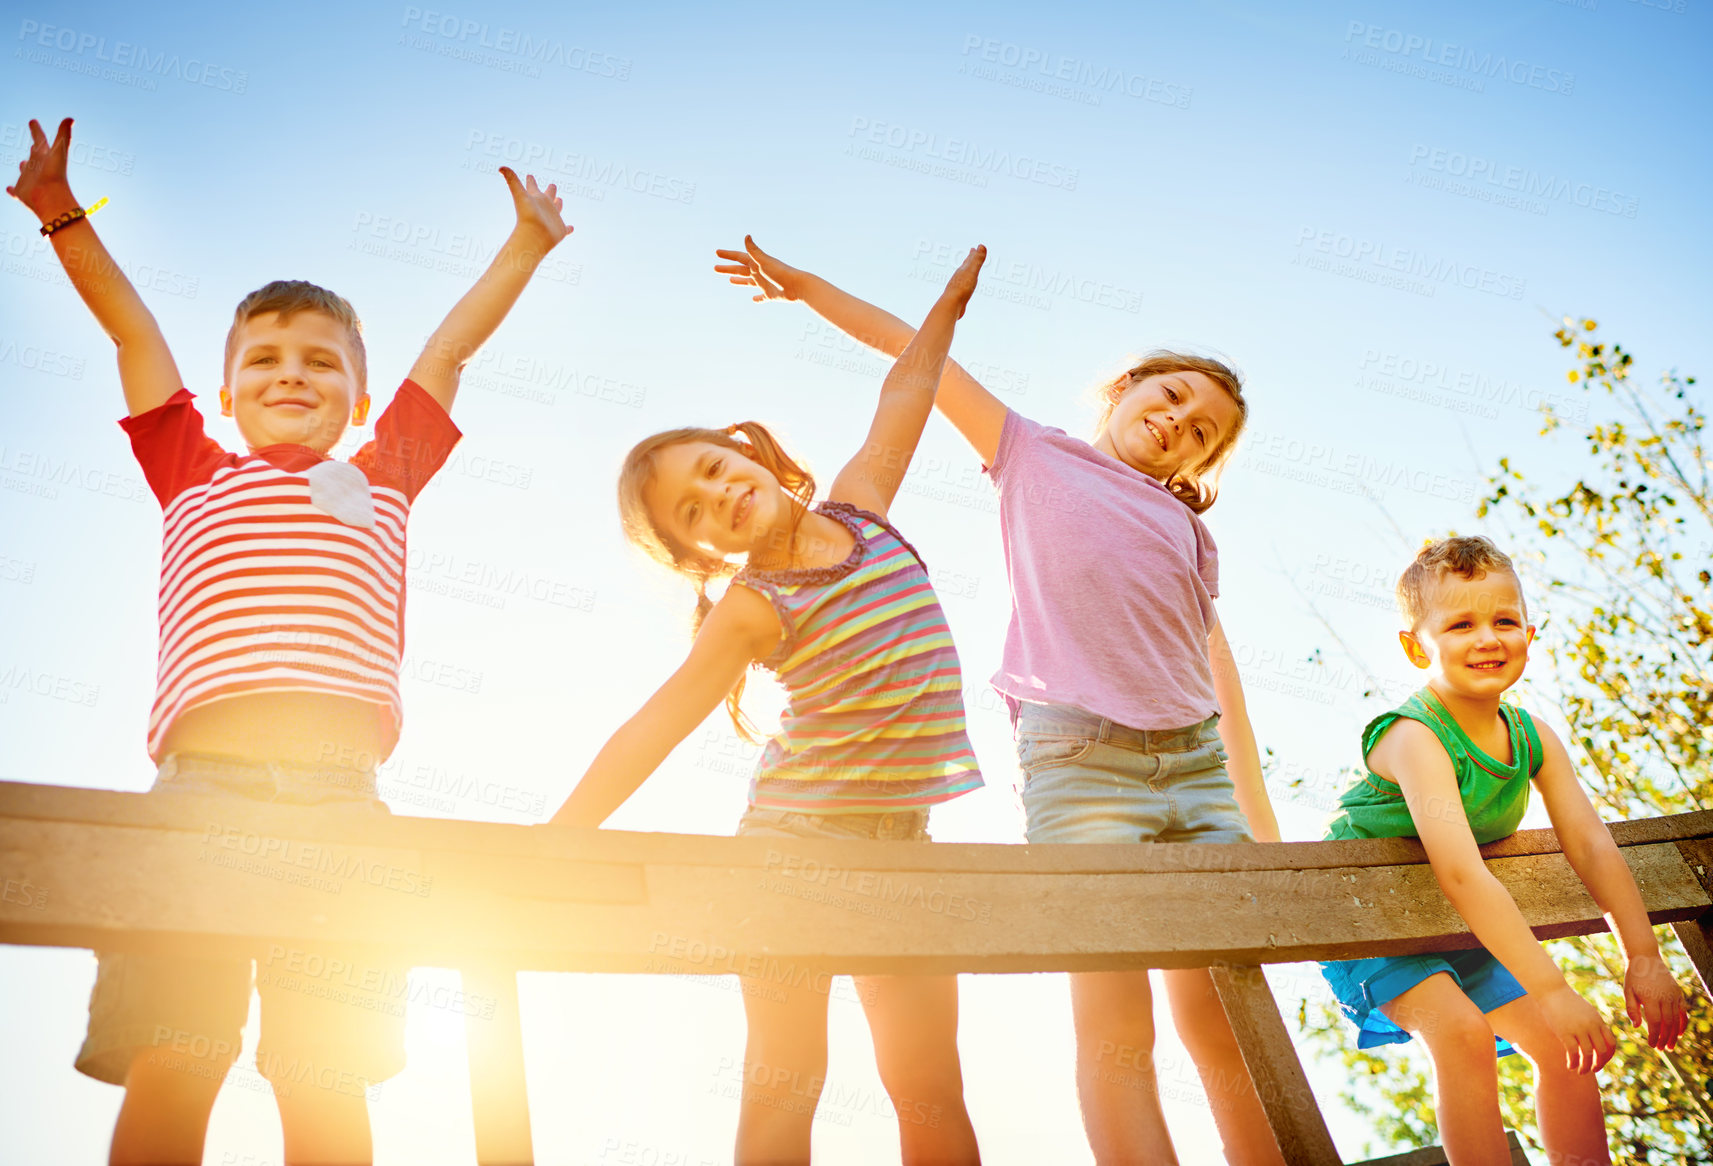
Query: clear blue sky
x,y
1373,209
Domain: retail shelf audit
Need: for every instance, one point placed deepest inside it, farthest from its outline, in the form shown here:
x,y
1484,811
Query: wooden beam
x,y
1434,1156
498,1099
1298,1126
219,876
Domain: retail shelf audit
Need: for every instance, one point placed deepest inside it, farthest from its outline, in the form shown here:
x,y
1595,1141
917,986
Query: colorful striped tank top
x,y
876,714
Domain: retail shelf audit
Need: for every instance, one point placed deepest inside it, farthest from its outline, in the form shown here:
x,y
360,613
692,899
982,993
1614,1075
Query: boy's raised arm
x,y
1651,996
473,319
972,410
147,373
1412,756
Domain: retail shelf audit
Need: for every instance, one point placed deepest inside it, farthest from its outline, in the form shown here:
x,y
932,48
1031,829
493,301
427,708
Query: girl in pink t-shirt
x,y
1124,694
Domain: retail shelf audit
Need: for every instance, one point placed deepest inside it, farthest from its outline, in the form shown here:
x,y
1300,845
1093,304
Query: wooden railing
x,y
219,876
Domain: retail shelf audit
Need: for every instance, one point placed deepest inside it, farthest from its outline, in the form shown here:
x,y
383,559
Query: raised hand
x,y
1588,1043
538,210
1652,997
753,267
961,286
42,184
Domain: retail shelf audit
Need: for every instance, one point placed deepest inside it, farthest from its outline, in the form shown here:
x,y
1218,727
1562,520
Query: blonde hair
x,y
1197,487
752,440
1467,556
291,296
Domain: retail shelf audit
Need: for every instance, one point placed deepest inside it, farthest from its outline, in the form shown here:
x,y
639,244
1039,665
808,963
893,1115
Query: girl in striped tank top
x,y
838,604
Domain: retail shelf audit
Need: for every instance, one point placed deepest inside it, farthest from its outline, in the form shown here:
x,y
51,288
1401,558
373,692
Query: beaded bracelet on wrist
x,y
59,222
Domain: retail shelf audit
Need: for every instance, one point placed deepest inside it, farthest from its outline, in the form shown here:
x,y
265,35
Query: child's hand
x,y
1588,1043
1652,996
753,267
42,184
537,209
961,286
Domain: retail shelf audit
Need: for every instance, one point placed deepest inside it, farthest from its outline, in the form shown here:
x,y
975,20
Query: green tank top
x,y
1494,794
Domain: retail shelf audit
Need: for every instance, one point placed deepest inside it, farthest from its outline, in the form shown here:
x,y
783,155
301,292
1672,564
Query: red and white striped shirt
x,y
262,590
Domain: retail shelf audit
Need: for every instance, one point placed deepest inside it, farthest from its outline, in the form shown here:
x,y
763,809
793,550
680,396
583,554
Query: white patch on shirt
x,y
342,490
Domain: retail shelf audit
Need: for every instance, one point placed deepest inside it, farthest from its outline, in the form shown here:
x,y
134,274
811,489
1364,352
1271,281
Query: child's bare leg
x,y
785,1064
1206,1032
1116,1085
323,1126
1567,1103
1465,1068
914,1022
164,1118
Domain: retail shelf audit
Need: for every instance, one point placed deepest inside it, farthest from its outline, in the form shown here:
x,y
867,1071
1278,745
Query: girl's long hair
x,y
752,440
1198,486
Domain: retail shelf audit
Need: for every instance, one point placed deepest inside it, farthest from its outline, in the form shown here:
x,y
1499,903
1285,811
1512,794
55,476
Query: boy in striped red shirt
x,y
281,621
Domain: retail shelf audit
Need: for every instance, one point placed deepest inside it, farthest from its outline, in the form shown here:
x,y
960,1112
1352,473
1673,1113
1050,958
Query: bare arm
x,y
741,628
147,373
972,410
1238,737
872,477
1651,995
473,319
1412,756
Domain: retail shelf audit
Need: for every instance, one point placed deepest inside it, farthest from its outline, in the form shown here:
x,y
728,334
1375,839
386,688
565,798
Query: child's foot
x,y
961,286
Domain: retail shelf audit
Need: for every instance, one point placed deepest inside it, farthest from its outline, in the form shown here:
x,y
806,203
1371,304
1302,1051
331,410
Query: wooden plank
x,y
1434,1156
1297,1124
1696,936
27,801
498,1100
225,886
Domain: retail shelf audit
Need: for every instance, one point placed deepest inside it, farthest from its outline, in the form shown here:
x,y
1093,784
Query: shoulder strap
x,y
871,516
1419,708
1537,755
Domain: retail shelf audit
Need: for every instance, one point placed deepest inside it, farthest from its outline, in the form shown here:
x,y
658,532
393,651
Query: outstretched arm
x,y
473,319
872,478
1651,996
972,410
741,628
1412,756
147,372
1238,737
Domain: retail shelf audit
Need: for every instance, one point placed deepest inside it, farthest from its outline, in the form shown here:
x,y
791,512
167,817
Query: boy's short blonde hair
x,y
290,296
1468,556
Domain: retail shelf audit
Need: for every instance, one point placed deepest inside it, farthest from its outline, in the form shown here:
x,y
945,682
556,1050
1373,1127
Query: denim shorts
x,y
1362,986
330,1017
909,825
1086,779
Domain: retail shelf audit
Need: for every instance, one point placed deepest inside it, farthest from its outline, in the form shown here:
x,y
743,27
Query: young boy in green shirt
x,y
1452,766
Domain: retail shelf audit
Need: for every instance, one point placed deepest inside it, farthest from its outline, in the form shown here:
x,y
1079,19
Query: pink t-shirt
x,y
1112,583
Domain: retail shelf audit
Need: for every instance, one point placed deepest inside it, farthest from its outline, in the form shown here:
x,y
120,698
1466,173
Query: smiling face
x,y
715,501
294,382
1473,634
1169,423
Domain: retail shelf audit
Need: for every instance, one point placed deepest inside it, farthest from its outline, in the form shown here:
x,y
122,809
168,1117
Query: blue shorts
x,y
1087,779
1362,986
